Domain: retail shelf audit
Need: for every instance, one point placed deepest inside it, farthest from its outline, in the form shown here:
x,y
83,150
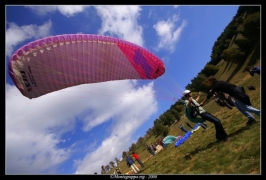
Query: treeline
x,y
237,41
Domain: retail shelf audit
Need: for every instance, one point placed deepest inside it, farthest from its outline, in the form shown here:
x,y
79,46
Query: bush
x,y
234,55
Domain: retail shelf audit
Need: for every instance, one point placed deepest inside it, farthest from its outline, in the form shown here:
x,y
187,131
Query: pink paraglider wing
x,y
57,62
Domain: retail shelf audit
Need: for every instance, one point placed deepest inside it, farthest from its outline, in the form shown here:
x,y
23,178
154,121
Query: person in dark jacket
x,y
224,100
150,150
242,100
130,163
253,69
153,147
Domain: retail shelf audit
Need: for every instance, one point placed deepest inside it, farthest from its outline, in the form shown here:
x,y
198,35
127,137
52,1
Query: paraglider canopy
x,y
58,62
169,139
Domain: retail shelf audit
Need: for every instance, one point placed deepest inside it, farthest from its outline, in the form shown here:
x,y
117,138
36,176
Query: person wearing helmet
x,y
191,103
242,100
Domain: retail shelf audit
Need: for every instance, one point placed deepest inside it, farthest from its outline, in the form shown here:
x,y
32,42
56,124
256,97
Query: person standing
x,y
242,100
221,135
153,147
150,150
160,142
136,156
117,170
130,163
103,170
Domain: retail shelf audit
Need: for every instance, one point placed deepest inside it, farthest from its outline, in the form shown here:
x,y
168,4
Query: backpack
x,y
251,87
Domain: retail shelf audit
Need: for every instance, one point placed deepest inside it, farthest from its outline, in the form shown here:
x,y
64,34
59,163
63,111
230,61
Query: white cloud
x,y
118,20
168,33
35,127
17,34
66,10
128,116
121,21
70,10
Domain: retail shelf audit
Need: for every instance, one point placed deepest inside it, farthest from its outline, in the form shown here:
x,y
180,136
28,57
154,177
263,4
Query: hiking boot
x,y
225,139
250,121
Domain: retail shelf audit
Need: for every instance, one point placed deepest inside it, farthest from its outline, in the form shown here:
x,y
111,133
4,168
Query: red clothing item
x,y
135,156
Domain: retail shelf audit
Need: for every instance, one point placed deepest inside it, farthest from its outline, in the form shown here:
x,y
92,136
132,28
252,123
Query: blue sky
x,y
79,129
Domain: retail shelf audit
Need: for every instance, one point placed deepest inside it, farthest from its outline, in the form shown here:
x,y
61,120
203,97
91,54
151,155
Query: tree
x,y
175,114
133,147
247,9
124,153
158,121
234,55
140,141
244,44
149,132
165,131
107,168
251,27
112,164
209,70
160,129
180,108
169,118
117,161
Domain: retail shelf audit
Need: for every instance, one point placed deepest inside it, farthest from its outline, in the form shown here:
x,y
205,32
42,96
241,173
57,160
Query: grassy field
x,y
201,154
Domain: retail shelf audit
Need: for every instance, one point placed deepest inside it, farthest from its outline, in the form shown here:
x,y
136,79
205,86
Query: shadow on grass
x,y
211,144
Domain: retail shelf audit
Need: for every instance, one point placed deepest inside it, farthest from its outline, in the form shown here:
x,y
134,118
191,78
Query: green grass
x,y
201,154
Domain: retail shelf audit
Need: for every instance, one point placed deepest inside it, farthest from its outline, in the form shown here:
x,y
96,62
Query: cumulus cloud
x,y
169,33
66,10
17,34
35,127
128,117
121,21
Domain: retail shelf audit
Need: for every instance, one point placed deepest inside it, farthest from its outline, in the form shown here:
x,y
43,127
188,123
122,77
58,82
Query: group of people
x,y
116,171
130,162
241,102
